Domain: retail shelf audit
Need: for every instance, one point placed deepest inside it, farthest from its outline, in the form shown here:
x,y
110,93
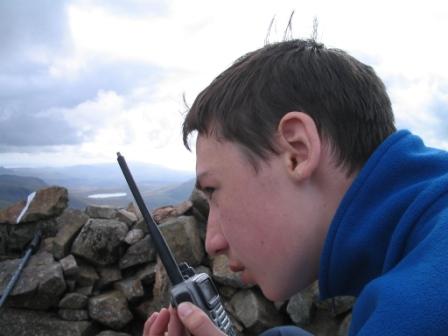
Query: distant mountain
x,y
106,175
4,171
159,186
14,188
153,197
170,195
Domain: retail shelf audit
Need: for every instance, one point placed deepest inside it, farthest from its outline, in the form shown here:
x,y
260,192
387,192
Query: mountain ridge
x,y
14,188
159,186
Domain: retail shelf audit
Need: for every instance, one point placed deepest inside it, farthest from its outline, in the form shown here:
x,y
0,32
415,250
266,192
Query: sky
x,y
81,80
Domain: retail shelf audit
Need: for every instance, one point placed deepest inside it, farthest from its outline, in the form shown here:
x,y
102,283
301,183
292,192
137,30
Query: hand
x,y
187,320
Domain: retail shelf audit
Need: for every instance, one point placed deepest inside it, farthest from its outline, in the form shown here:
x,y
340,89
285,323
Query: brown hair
x,y
346,99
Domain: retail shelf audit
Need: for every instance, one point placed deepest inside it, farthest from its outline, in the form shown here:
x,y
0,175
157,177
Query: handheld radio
x,y
186,284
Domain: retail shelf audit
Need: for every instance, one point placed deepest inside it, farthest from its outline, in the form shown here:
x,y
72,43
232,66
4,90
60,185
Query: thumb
x,y
196,321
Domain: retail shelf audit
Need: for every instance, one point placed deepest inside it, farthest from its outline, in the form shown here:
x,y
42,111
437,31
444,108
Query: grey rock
x,y
200,202
10,214
144,309
280,305
49,226
112,333
227,292
345,325
140,253
100,241
85,290
126,216
237,325
70,267
110,309
254,311
108,275
41,259
323,323
223,275
46,245
337,305
87,275
135,210
71,284
48,202
7,269
73,301
141,225
138,274
134,236
101,211
161,290
300,307
131,288
40,284
20,235
147,274
23,322
200,211
3,239
182,236
73,314
70,222
160,215
203,269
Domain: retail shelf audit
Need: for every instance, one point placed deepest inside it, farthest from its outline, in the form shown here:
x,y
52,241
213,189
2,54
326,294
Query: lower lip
x,y
246,279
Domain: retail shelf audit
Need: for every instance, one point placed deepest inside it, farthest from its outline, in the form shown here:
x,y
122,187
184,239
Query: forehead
x,y
214,154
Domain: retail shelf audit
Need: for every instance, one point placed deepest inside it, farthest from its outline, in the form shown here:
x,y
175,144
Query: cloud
x,y
37,130
33,31
27,97
131,8
438,108
421,105
83,77
42,74
75,104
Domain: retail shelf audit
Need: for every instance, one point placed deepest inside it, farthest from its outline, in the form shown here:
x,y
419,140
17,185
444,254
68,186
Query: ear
x,y
300,143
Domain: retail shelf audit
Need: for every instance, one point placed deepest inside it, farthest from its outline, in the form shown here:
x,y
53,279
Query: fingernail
x,y
184,309
152,318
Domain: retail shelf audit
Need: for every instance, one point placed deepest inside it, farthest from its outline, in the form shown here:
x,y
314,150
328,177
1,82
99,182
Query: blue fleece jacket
x,y
388,242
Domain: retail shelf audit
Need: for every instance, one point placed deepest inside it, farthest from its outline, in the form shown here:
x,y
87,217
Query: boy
x,y
307,178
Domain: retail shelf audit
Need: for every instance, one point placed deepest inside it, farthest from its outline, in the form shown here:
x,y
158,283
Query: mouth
x,y
245,277
236,266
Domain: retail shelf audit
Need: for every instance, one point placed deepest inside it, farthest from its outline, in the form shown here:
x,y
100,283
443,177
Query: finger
x,y
196,321
148,323
160,324
175,326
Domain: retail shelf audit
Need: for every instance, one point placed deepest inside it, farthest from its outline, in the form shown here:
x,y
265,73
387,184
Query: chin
x,y
280,293
276,294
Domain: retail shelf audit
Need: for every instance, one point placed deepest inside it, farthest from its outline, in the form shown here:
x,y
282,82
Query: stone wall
x,y
96,272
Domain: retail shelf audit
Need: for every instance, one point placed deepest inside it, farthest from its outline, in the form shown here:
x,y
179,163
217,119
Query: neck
x,y
333,181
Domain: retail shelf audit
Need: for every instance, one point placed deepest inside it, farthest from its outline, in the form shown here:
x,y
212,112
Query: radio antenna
x,y
161,246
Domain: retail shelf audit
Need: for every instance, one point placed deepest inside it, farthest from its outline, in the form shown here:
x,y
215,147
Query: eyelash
x,y
208,191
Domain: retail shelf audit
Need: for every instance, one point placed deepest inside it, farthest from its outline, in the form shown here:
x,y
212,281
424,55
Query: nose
x,y
215,242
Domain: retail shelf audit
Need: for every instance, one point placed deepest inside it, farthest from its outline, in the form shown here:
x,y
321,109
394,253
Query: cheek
x,y
250,221
248,230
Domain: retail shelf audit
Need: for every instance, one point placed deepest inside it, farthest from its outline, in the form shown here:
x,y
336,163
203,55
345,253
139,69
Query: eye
x,y
208,191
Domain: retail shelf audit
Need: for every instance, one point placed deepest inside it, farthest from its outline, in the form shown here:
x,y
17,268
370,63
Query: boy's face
x,y
267,223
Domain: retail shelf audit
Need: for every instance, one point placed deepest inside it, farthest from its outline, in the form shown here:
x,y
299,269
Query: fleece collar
x,y
367,234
